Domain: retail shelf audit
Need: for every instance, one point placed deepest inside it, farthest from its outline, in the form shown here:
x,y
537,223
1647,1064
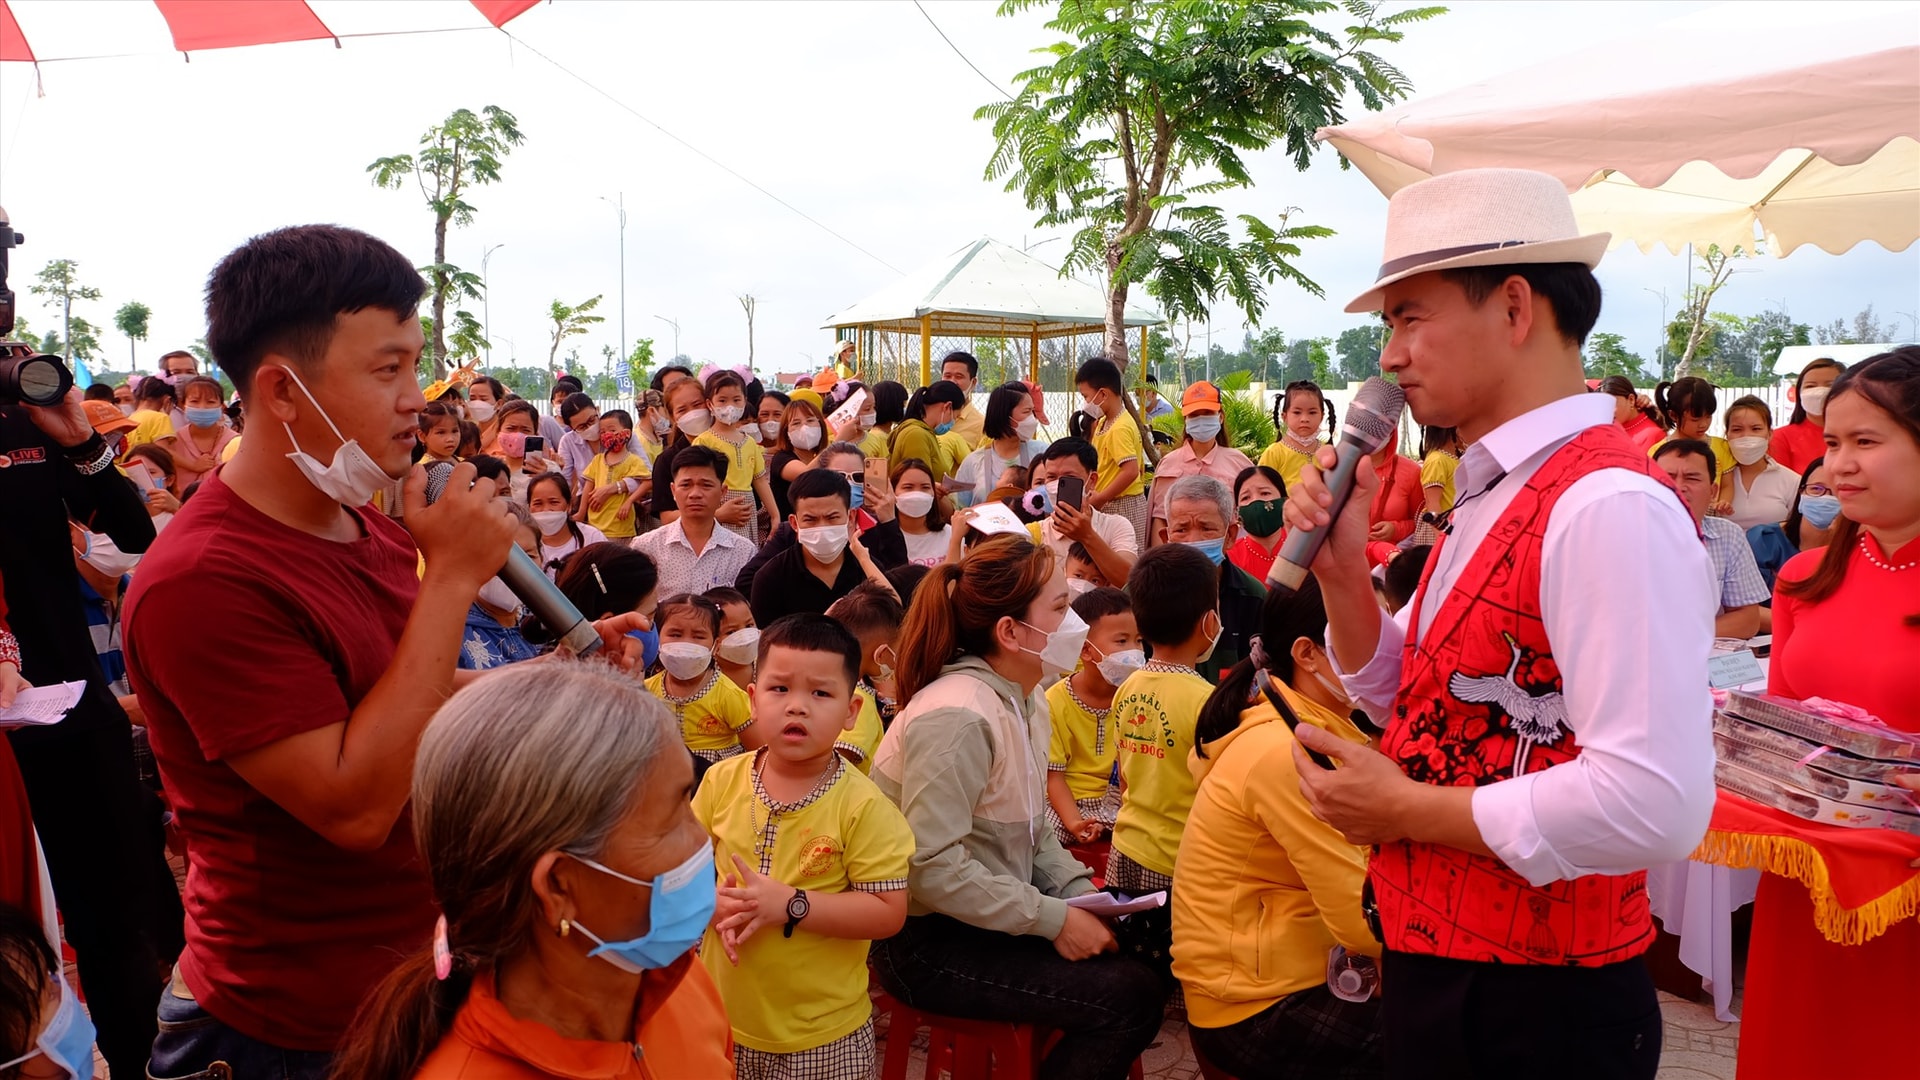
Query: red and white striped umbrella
x,y
39,31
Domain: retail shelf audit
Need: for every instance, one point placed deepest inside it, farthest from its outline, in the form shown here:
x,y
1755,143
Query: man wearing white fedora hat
x,y
1544,696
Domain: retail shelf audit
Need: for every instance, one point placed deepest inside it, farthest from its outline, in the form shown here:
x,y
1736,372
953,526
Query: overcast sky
x,y
146,168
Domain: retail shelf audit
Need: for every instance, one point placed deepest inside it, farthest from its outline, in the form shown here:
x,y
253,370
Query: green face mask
x,y
1264,518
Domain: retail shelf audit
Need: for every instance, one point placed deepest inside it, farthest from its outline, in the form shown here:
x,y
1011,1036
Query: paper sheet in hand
x,y
848,412
1106,905
42,704
993,517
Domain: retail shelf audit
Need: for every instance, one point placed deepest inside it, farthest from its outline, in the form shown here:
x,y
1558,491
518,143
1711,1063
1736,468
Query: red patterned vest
x,y
1480,701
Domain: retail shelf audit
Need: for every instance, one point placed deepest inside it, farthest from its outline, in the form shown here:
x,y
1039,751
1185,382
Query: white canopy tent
x,y
985,289
1798,119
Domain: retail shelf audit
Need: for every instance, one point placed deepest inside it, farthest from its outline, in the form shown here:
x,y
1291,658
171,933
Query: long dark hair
x,y
1800,384
1622,387
1284,619
1300,386
1891,381
1792,525
1689,396
675,437
937,516
958,604
936,393
558,480
26,963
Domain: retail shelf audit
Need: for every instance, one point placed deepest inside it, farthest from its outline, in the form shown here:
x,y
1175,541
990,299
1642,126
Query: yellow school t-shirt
x,y
744,462
792,994
1723,462
1156,709
1287,461
1084,745
1438,469
864,739
713,718
232,448
1118,441
150,426
603,474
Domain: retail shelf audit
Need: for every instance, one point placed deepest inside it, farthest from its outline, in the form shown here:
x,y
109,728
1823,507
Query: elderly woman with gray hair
x,y
550,805
1201,514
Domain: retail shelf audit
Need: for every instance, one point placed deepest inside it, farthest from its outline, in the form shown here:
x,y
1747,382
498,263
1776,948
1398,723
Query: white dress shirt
x,y
717,565
1627,597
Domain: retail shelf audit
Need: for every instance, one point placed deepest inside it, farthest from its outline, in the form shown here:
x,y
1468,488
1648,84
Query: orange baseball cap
x,y
106,418
1200,395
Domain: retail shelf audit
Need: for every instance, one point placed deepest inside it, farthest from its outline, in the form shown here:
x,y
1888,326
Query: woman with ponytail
x,y
989,935
1801,439
550,804
1846,627
1686,409
930,413
1252,955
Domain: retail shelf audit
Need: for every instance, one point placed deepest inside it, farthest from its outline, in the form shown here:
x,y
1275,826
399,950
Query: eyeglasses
x,y
1816,490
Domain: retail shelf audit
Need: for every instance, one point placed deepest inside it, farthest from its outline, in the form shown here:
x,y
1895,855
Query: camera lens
x,y
34,380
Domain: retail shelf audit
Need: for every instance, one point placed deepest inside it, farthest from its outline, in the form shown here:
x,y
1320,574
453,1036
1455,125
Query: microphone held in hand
x,y
1371,422
530,585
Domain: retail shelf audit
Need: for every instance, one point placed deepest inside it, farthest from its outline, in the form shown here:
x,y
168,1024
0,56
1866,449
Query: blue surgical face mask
x,y
204,418
1214,549
649,646
859,493
943,428
683,902
67,1040
1820,510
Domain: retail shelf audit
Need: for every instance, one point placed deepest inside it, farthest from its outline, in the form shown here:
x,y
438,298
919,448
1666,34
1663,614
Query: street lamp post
x,y
486,299
621,206
1660,340
675,323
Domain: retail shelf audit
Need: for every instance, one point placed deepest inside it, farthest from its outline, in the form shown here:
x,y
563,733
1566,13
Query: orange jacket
x,y
681,1034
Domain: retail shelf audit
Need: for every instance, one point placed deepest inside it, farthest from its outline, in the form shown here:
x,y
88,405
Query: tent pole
x,y
926,350
1033,359
1144,369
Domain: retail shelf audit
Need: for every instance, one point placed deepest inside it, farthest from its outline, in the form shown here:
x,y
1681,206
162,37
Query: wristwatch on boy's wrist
x,y
797,909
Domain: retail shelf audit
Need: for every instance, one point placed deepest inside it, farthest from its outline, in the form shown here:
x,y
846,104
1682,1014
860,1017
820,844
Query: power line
x,y
963,56
696,151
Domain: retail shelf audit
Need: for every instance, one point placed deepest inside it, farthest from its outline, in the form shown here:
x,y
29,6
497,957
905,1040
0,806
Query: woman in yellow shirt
x,y
1297,415
1254,954
152,414
1440,450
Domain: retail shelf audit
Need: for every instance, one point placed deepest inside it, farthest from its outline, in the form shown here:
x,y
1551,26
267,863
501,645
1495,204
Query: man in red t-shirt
x,y
287,657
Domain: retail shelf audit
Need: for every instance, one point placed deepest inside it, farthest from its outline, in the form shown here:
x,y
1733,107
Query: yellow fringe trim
x,y
1801,861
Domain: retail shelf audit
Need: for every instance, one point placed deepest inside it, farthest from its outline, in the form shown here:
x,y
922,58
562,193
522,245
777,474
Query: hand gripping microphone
x,y
530,585
1371,422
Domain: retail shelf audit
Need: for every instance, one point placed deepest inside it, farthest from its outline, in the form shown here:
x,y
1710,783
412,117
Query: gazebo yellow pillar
x,y
1143,355
926,350
1033,359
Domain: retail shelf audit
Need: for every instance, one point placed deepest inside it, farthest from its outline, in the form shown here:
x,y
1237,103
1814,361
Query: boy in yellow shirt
x,y
1083,792
714,714
1119,486
603,494
873,616
810,848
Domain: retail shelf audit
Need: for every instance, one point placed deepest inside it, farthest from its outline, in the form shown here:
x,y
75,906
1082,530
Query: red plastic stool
x,y
964,1049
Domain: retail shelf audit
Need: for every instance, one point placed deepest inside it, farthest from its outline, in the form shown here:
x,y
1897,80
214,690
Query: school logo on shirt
x,y
713,725
819,855
1149,730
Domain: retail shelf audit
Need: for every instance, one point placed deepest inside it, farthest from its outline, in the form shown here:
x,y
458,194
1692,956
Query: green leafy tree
x,y
1249,426
131,320
1719,266
83,340
571,322
1607,354
640,362
1359,350
466,339
465,150
59,283
1865,329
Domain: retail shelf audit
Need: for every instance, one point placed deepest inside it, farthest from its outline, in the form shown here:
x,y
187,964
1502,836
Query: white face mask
x,y
868,420
1061,654
824,542
1212,642
1028,428
742,646
104,555
125,410
495,594
1115,667
770,430
661,425
695,423
1204,428
806,436
478,411
1334,688
1748,449
729,414
1078,587
550,521
1091,409
1814,400
352,477
914,503
685,660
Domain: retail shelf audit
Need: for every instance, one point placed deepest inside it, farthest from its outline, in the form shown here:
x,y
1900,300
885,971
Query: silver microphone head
x,y
1374,415
437,473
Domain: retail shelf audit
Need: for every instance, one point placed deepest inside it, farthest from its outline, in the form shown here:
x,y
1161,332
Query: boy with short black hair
x,y
1083,574
812,848
872,614
1120,485
1083,793
829,559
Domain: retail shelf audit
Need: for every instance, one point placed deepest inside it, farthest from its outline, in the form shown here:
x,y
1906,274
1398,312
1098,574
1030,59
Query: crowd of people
x,y
887,684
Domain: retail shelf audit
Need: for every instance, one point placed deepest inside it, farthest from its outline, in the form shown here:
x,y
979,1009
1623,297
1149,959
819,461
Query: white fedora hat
x,y
1479,217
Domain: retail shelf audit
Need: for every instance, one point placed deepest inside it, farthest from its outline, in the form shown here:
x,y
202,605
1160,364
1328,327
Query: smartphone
x,y
536,445
1073,492
1265,685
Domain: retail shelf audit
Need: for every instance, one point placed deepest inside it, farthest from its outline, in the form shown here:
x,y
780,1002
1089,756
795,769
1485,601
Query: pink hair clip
x,y
442,953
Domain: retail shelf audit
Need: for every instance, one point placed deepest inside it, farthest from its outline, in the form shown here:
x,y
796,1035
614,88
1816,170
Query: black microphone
x,y
530,585
1371,421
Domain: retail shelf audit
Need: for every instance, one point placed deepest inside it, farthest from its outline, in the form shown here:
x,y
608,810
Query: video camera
x,y
26,374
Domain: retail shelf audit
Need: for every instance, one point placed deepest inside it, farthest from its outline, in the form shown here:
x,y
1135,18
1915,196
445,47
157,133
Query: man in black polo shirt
x,y
827,562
